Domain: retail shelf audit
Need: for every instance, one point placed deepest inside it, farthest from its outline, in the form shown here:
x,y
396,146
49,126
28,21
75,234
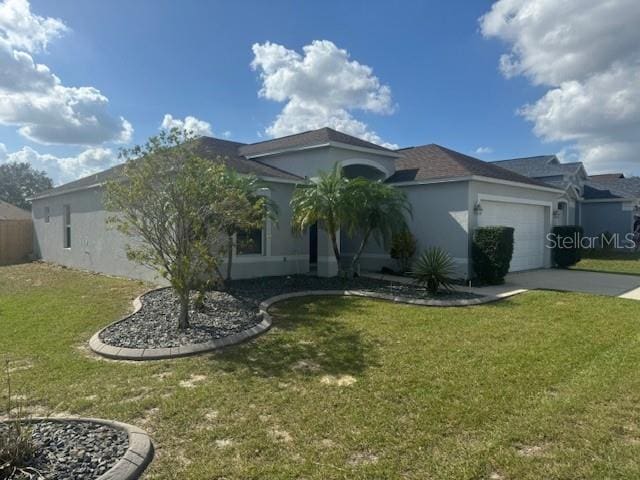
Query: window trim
x,y
263,245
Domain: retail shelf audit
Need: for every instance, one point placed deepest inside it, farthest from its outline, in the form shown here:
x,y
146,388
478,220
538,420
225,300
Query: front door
x,y
313,244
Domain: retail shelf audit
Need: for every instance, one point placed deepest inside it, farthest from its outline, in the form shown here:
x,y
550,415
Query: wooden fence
x,y
16,241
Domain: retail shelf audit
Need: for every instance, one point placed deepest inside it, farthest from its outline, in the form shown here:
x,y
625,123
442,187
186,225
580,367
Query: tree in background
x,y
325,202
376,210
173,204
19,181
244,208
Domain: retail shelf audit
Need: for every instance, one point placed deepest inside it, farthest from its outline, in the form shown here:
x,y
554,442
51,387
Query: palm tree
x,y
323,202
247,208
379,210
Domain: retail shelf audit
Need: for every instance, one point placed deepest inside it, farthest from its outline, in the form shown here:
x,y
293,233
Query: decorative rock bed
x,y
87,449
227,318
154,325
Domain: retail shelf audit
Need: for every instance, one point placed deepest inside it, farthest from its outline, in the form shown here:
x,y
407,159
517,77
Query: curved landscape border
x,y
122,353
134,462
460,302
141,354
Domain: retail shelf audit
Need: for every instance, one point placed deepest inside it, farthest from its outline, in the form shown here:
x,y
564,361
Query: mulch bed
x,y
75,450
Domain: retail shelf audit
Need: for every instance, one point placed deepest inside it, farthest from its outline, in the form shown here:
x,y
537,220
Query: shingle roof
x,y
430,162
606,176
539,167
307,139
11,212
608,187
214,149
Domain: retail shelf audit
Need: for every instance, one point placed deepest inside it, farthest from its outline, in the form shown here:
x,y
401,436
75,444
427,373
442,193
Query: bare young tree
x,y
169,200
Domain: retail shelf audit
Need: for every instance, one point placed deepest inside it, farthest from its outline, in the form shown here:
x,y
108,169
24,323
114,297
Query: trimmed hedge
x,y
491,251
566,250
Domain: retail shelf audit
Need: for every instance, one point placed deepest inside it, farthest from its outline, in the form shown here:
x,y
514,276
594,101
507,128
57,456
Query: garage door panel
x,y
528,224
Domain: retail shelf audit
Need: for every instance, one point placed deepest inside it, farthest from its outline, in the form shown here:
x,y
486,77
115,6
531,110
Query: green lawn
x,y
543,385
610,262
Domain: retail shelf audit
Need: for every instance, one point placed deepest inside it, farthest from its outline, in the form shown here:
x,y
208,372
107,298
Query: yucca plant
x,y
434,269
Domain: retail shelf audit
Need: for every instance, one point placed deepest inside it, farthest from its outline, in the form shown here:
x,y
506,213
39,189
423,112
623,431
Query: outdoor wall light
x,y
556,213
477,208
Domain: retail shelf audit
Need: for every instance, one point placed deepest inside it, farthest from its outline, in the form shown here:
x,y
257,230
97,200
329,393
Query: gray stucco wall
x,y
308,163
97,247
612,217
439,219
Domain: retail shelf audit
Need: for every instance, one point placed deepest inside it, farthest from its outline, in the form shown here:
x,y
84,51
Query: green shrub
x,y
566,249
491,252
403,248
434,269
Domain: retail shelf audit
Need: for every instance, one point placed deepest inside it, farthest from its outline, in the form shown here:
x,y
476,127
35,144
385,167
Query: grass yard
x,y
543,385
610,262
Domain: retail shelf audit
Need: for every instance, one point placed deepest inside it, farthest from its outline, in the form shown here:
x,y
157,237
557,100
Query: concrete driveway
x,y
624,286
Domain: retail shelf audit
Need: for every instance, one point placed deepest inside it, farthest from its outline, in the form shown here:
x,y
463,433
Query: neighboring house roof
x,y
606,176
214,149
607,187
540,166
429,162
311,138
11,212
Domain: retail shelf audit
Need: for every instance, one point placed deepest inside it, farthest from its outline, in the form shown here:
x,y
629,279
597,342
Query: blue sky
x,y
193,58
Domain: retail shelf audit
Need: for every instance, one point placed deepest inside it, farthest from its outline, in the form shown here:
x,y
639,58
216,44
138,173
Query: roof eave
x,y
344,146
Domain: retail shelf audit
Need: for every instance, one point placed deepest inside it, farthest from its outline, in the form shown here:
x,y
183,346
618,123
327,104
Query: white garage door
x,y
528,223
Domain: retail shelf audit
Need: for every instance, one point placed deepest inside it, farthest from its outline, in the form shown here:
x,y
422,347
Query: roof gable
x,y
311,138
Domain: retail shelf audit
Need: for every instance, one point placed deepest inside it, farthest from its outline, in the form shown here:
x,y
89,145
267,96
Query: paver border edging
x,y
467,302
141,354
139,453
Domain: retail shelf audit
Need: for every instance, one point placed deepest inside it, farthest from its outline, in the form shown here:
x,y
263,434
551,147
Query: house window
x,y
249,242
47,215
67,226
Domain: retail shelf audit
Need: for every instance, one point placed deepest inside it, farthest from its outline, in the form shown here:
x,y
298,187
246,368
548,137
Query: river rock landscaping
x,y
72,450
155,324
224,313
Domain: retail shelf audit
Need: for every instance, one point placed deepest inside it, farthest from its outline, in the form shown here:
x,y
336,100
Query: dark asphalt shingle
x,y
429,162
307,139
214,149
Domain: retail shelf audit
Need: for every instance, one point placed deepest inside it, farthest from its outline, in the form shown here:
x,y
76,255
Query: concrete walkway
x,y
623,286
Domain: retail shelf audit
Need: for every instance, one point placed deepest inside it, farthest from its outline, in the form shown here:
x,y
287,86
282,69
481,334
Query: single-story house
x,y
451,194
604,203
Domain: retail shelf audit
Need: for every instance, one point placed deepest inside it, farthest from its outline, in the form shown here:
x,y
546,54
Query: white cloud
x,y
192,124
3,152
321,88
27,31
483,150
587,52
64,169
35,100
